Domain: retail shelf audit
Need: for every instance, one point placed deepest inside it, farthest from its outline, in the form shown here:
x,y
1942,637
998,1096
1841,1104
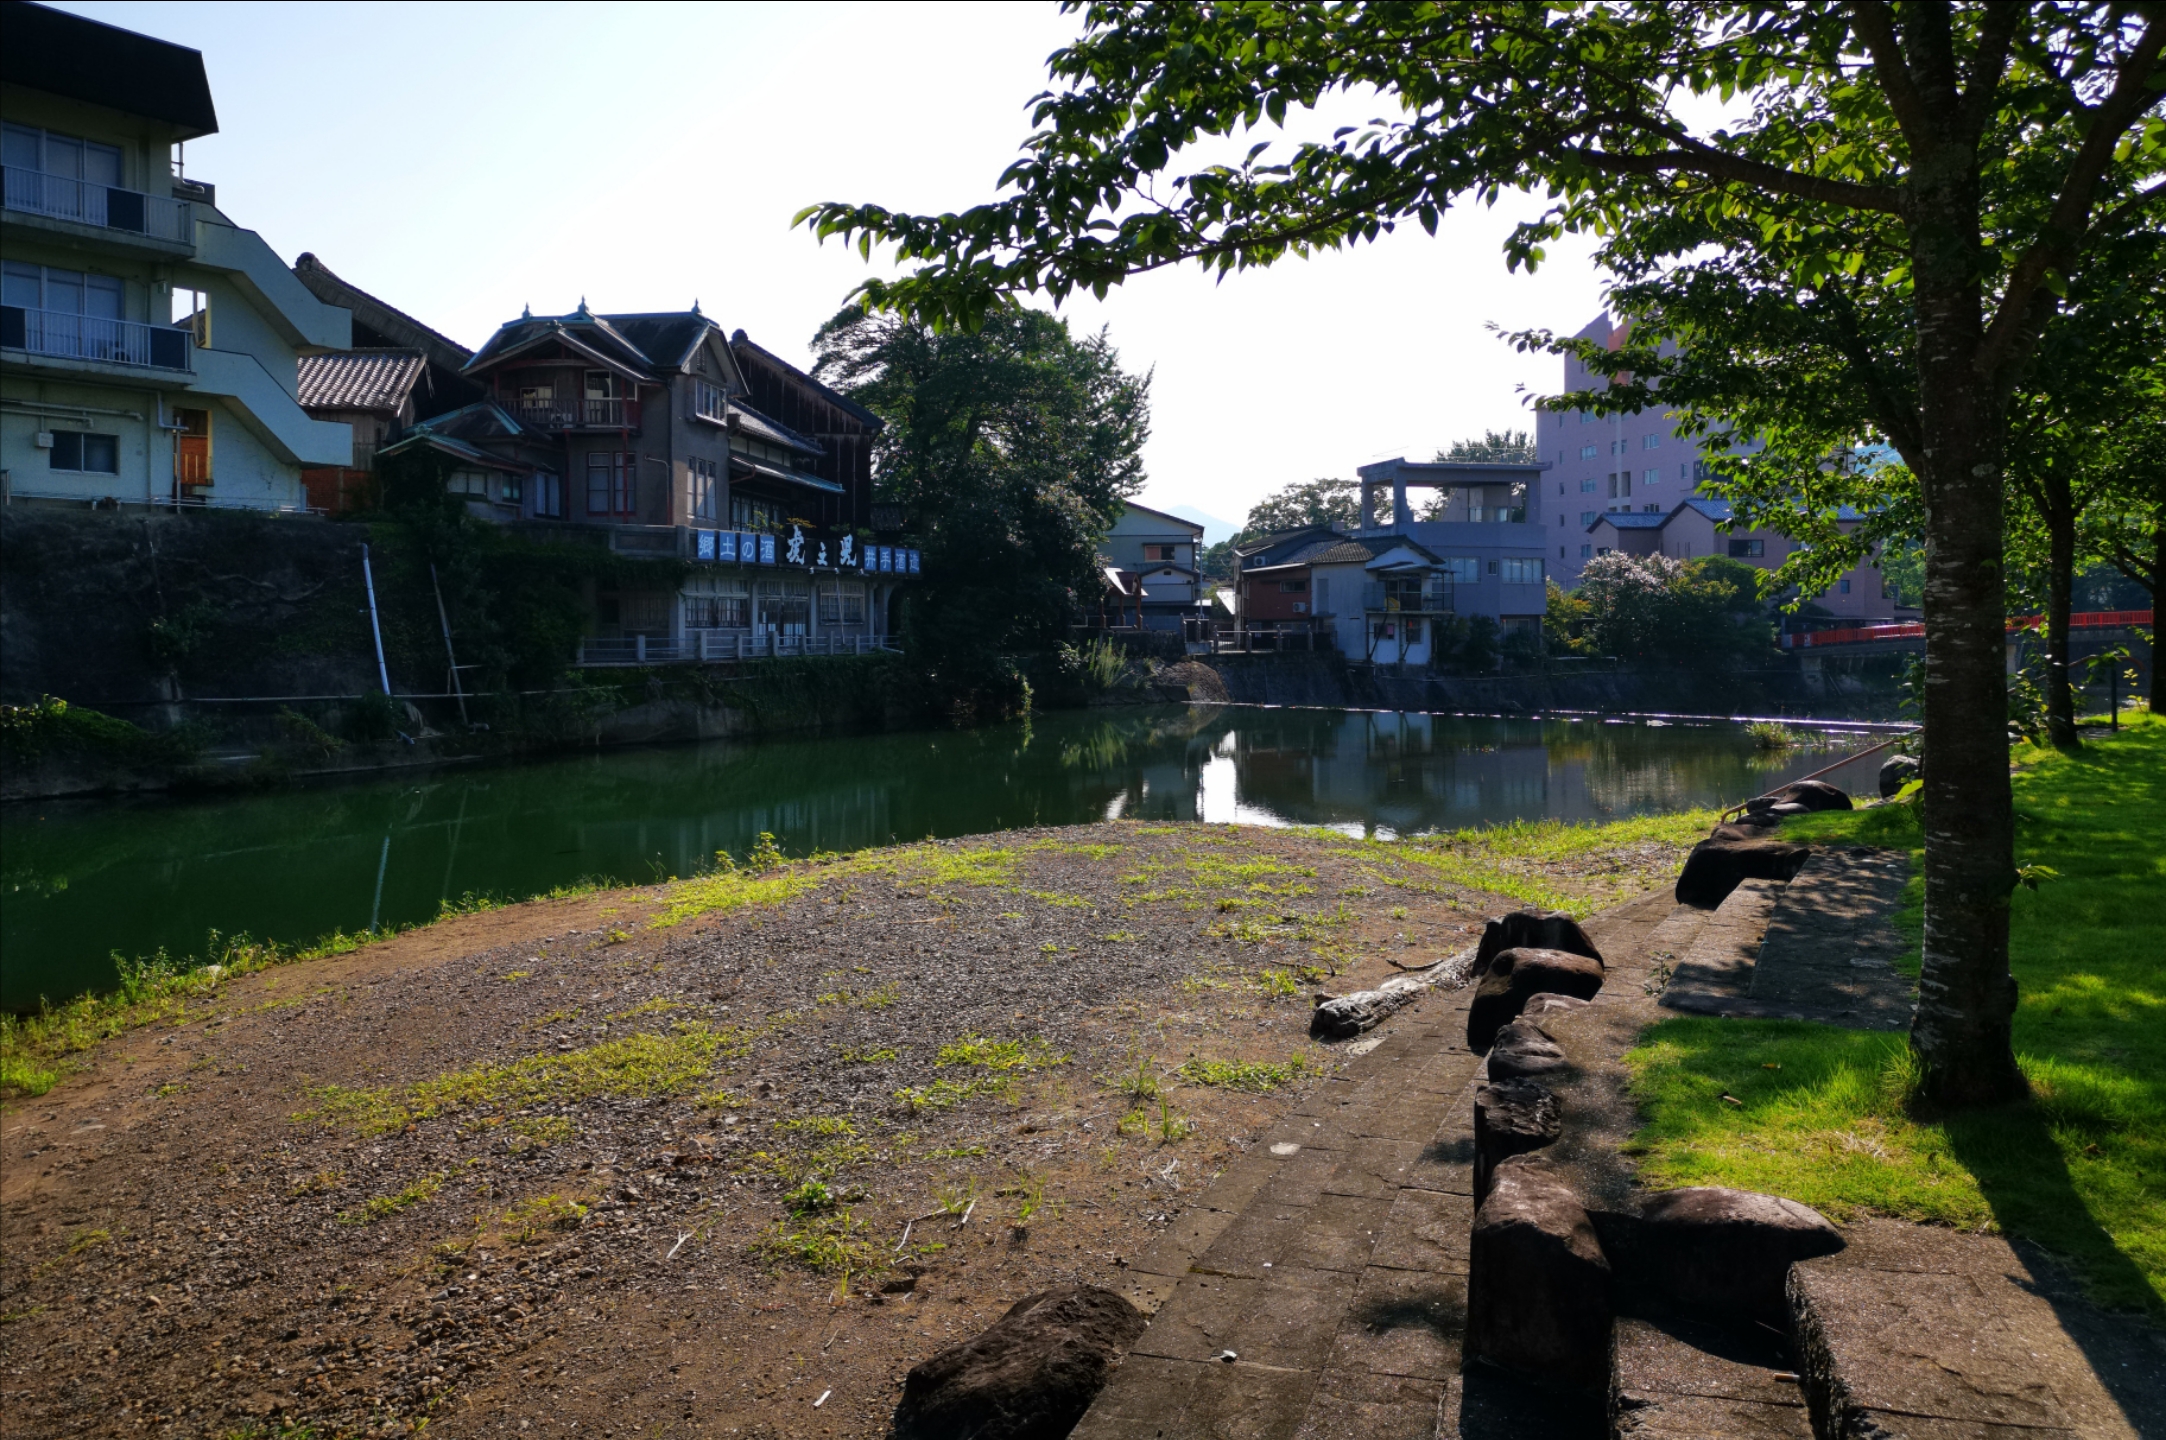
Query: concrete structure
x,y
149,344
1161,552
1488,538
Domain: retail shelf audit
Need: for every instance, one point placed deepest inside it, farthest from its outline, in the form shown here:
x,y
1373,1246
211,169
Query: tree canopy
x,y
1011,449
1312,502
1828,225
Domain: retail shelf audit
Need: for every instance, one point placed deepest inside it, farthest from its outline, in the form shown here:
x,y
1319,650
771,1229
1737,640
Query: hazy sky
x,y
463,161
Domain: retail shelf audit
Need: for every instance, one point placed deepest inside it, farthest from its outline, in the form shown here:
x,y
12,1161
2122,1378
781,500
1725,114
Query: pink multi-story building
x,y
1633,483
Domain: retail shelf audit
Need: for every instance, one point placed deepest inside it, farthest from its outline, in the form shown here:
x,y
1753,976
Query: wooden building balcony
x,y
572,413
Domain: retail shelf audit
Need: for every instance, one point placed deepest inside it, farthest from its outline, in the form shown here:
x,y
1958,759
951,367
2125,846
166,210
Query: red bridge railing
x,y
1913,630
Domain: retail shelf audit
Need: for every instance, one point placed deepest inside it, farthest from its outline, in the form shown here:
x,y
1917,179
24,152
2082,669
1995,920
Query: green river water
x,y
84,880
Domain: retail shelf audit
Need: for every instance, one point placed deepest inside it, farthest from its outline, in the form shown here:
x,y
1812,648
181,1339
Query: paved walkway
x,y
1318,1287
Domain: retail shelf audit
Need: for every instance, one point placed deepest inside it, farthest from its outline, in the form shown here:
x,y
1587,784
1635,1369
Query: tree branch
x,y
1996,31
2065,226
1875,23
1704,160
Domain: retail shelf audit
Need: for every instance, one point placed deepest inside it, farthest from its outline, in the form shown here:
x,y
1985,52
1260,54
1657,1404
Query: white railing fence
x,y
157,216
708,647
93,337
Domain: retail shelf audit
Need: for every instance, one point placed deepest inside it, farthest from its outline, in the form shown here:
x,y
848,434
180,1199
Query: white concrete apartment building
x,y
1633,483
149,347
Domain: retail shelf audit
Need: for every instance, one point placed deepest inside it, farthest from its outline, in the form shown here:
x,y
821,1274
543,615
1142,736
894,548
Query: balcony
x,y
574,413
107,207
67,336
1433,599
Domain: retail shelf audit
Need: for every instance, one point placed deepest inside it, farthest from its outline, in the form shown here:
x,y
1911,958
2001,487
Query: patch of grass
x,y
542,1129
817,1125
945,1094
1616,860
1059,899
656,1006
636,1066
2079,1168
832,1243
980,1053
316,1184
383,1207
728,890
516,975
1257,1077
525,1221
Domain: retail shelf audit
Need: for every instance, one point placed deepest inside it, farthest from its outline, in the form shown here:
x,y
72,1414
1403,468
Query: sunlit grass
x,y
2081,1166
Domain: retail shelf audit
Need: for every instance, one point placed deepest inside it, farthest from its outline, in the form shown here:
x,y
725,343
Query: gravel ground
x,y
726,1156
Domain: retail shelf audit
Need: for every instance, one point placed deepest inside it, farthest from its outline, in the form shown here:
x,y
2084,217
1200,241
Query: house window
x,y
1516,571
84,454
511,489
707,402
1743,549
747,513
842,602
1461,569
1681,475
1652,509
1585,551
718,603
1588,452
704,498
1603,550
1844,585
1587,486
610,487
1652,442
1587,517
1162,552
1293,587
781,607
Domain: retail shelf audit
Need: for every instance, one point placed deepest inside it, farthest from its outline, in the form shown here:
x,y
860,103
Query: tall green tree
x,y
1891,208
1011,449
1502,447
1311,502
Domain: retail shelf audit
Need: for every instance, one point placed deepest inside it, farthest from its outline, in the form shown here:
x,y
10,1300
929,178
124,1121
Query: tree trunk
x,y
2059,514
1961,1031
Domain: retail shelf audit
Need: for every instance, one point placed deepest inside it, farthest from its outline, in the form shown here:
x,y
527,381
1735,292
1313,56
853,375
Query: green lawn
x,y
2081,1167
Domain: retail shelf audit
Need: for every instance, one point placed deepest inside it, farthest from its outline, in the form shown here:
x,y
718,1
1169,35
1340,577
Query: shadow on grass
x,y
2021,1171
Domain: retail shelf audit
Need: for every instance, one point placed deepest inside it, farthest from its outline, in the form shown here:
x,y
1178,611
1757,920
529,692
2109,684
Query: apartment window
x,y
1588,452
1560,552
81,453
1586,416
1652,442
1652,477
707,400
842,602
1652,509
1617,447
1587,517
548,494
1620,486
64,292
703,500
1461,569
1162,552
611,488
1681,475
1587,486
1844,585
1521,571
1293,587
1585,551
1745,549
55,154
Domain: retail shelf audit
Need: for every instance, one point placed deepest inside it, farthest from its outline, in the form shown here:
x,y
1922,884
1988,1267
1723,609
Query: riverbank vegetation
x,y
1833,1117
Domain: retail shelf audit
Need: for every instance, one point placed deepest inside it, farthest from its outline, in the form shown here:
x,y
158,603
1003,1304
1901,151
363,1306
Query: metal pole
x,y
368,578
445,621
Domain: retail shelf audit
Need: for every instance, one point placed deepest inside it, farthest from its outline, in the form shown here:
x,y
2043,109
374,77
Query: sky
x,y
465,161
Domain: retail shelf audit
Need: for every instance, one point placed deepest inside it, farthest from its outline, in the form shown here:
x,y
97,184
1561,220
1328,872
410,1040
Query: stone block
x,y
1517,976
1404,1322
1715,867
1715,1252
1032,1373
1528,929
1538,1284
1511,1117
1524,1051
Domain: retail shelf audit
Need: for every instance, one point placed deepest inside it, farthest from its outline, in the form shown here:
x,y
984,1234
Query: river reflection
x,y
84,880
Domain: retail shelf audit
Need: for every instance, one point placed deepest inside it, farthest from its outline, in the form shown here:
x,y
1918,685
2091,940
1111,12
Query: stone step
x,y
1831,942
1925,1333
1675,1380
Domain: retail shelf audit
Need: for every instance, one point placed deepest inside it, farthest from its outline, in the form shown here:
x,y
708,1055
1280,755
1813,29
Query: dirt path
x,y
645,1162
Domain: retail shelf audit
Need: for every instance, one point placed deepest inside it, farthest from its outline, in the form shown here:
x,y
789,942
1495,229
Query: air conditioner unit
x,y
45,440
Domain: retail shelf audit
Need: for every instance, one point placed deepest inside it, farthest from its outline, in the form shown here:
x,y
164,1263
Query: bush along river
x,y
86,881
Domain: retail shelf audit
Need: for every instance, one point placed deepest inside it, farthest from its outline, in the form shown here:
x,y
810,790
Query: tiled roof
x,y
373,380
1713,509
387,320
759,426
745,349
1628,520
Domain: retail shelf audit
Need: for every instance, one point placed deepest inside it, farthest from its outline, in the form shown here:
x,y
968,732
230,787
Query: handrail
x,y
1915,629
70,335
1724,817
110,207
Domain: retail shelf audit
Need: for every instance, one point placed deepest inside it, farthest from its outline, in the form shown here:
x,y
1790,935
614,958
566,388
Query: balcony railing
x,y
576,413
157,216
710,647
91,337
1432,600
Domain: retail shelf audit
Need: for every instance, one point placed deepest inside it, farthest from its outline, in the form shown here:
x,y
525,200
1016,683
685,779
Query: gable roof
x,y
373,380
774,432
744,349
1631,520
393,324
1162,515
67,55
